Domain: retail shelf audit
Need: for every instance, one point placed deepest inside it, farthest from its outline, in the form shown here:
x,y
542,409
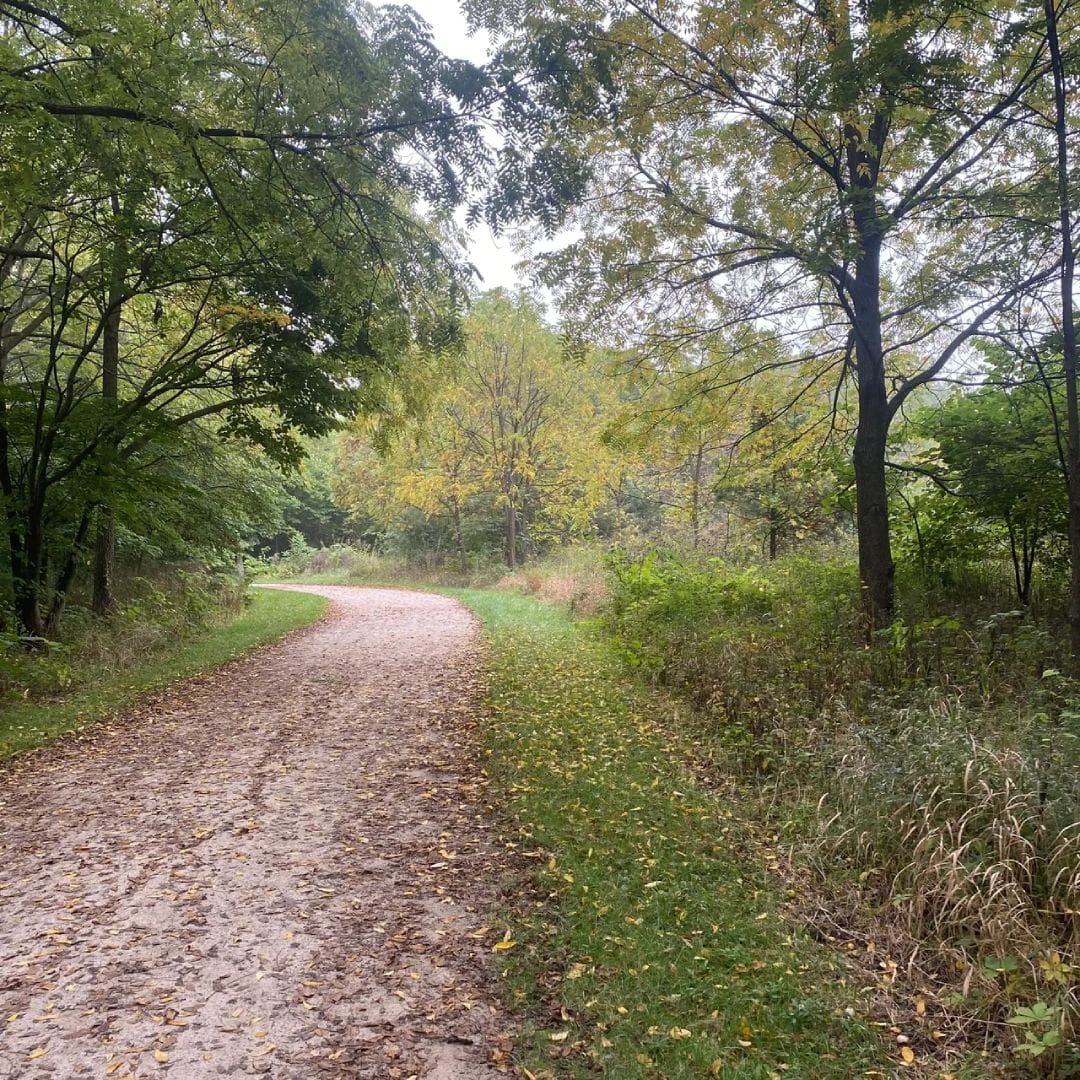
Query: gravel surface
x,y
280,869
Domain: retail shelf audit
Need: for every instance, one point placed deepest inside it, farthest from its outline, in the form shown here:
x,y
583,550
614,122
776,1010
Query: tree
x,y
213,214
796,174
741,469
1001,455
511,430
1060,70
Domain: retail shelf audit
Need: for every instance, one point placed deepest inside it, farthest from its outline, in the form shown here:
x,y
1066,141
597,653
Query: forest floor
x,y
279,869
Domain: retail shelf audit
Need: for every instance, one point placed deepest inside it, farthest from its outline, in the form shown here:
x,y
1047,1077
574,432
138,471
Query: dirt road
x,y
276,870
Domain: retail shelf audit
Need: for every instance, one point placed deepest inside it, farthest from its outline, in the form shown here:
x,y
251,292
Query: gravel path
x,y
280,869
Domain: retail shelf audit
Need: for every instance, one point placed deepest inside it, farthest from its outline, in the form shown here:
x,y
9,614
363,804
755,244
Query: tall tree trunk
x,y
774,522
459,533
695,496
511,534
104,600
28,584
876,568
105,540
1068,323
67,573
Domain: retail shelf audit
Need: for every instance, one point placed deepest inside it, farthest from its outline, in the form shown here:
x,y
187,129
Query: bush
x,y
572,577
154,610
932,776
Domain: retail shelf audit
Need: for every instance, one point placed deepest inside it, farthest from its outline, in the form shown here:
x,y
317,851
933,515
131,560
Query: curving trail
x,y
280,869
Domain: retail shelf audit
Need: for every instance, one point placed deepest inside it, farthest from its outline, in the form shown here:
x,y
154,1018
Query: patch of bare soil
x,y
276,870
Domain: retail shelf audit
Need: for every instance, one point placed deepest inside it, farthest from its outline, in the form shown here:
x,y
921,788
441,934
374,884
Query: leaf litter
x,y
280,869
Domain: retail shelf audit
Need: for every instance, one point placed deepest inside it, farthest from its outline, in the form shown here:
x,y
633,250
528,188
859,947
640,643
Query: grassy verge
x,y
654,945
269,615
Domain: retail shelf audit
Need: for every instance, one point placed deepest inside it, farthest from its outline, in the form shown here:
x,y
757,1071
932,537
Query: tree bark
x,y
863,290
459,534
104,601
29,582
511,534
1068,324
695,496
876,567
105,541
67,574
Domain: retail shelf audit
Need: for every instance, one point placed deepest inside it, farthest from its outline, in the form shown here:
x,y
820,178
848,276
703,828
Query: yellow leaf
x,y
40,1052
907,1054
717,1067
500,946
559,1036
679,1033
160,1056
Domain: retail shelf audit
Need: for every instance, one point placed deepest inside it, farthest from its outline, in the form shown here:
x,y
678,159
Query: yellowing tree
x,y
511,431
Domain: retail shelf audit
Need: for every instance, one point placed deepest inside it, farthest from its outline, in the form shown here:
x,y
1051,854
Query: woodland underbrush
x,y
925,789
574,577
349,564
155,609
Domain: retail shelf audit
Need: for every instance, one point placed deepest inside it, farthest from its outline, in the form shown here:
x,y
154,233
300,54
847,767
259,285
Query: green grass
x,y
655,944
270,615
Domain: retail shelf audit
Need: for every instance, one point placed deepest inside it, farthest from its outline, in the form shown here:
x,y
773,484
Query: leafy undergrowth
x,y
270,615
927,790
654,944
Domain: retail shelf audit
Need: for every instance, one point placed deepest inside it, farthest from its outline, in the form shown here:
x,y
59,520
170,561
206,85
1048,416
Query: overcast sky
x,y
494,259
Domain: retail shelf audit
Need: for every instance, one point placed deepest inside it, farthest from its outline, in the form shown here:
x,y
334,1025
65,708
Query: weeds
x,y
652,945
153,614
931,783
93,693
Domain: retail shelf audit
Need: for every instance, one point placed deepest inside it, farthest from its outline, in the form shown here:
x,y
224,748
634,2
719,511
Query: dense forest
x,y
784,403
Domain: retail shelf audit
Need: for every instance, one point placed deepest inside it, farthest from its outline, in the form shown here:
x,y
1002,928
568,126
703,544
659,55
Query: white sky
x,y
493,258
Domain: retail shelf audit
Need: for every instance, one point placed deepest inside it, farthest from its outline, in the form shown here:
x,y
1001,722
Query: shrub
x,y
932,776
